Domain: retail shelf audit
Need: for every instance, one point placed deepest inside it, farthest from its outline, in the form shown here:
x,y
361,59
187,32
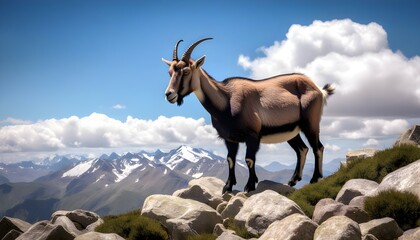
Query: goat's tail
x,y
327,90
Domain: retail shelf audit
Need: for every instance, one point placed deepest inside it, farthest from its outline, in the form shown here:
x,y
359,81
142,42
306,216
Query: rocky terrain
x,y
265,213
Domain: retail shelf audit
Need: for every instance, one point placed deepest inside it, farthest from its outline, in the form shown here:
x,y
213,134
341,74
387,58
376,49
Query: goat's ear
x,y
166,61
199,62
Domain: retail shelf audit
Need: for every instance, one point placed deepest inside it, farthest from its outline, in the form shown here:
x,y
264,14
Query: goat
x,y
271,110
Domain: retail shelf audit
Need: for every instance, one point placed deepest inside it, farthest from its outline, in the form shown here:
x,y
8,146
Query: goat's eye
x,y
186,70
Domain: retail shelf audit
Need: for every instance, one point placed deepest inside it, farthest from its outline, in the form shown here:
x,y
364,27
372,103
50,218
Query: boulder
x,y
229,236
369,237
327,208
182,217
233,206
99,236
364,153
67,224
262,209
358,202
207,190
221,207
412,234
354,188
219,229
338,228
8,224
383,229
293,227
80,218
404,179
411,136
274,186
12,235
46,231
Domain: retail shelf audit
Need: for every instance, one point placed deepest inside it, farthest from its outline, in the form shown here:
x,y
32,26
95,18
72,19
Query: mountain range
x,y
113,184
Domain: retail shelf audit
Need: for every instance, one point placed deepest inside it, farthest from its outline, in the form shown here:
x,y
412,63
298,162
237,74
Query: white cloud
x,y
371,142
118,106
14,121
371,79
332,147
101,131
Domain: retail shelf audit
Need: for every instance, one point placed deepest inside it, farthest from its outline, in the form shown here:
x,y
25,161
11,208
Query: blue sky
x,y
90,60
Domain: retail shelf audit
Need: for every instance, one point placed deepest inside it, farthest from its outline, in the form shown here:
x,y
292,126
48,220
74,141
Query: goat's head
x,y
181,72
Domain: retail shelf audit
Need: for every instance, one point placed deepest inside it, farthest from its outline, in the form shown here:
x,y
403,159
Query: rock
x,y
219,229
12,235
233,206
67,224
365,153
207,190
227,196
383,229
358,202
221,207
411,136
182,217
293,227
8,224
274,186
412,234
229,236
327,208
404,179
80,218
369,237
338,228
354,188
262,209
99,236
46,231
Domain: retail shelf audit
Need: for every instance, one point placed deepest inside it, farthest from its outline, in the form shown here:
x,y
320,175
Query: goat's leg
x,y
301,150
232,148
252,146
318,150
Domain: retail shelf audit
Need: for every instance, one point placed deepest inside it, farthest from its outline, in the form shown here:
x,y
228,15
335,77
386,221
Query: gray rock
x,y
233,207
12,235
8,224
46,231
67,224
219,229
412,234
274,186
182,217
411,136
338,228
80,218
207,190
221,207
354,188
369,237
99,236
358,202
404,179
364,153
229,236
293,227
327,208
383,229
262,209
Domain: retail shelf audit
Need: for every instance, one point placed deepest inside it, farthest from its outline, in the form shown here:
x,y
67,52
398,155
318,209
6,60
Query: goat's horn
x,y
187,54
175,54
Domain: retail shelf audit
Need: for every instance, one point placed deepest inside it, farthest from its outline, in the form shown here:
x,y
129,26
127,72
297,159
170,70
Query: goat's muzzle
x,y
171,96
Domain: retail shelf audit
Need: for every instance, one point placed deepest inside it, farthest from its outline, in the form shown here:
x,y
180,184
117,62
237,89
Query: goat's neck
x,y
211,93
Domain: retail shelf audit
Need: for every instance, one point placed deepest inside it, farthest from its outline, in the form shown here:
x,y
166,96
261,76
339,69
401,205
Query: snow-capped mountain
x,y
113,184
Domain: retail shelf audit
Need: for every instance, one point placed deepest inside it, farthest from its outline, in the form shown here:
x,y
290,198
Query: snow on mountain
x,y
79,169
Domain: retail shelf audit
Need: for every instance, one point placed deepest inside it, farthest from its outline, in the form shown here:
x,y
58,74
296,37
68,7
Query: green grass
x,y
403,207
133,226
208,236
240,231
374,168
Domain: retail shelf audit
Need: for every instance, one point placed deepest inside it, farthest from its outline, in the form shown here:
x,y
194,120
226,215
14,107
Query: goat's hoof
x,y
249,188
291,183
227,188
314,180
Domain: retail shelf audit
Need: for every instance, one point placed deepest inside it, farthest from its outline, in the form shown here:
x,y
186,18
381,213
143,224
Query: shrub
x,y
202,237
404,207
133,226
374,168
